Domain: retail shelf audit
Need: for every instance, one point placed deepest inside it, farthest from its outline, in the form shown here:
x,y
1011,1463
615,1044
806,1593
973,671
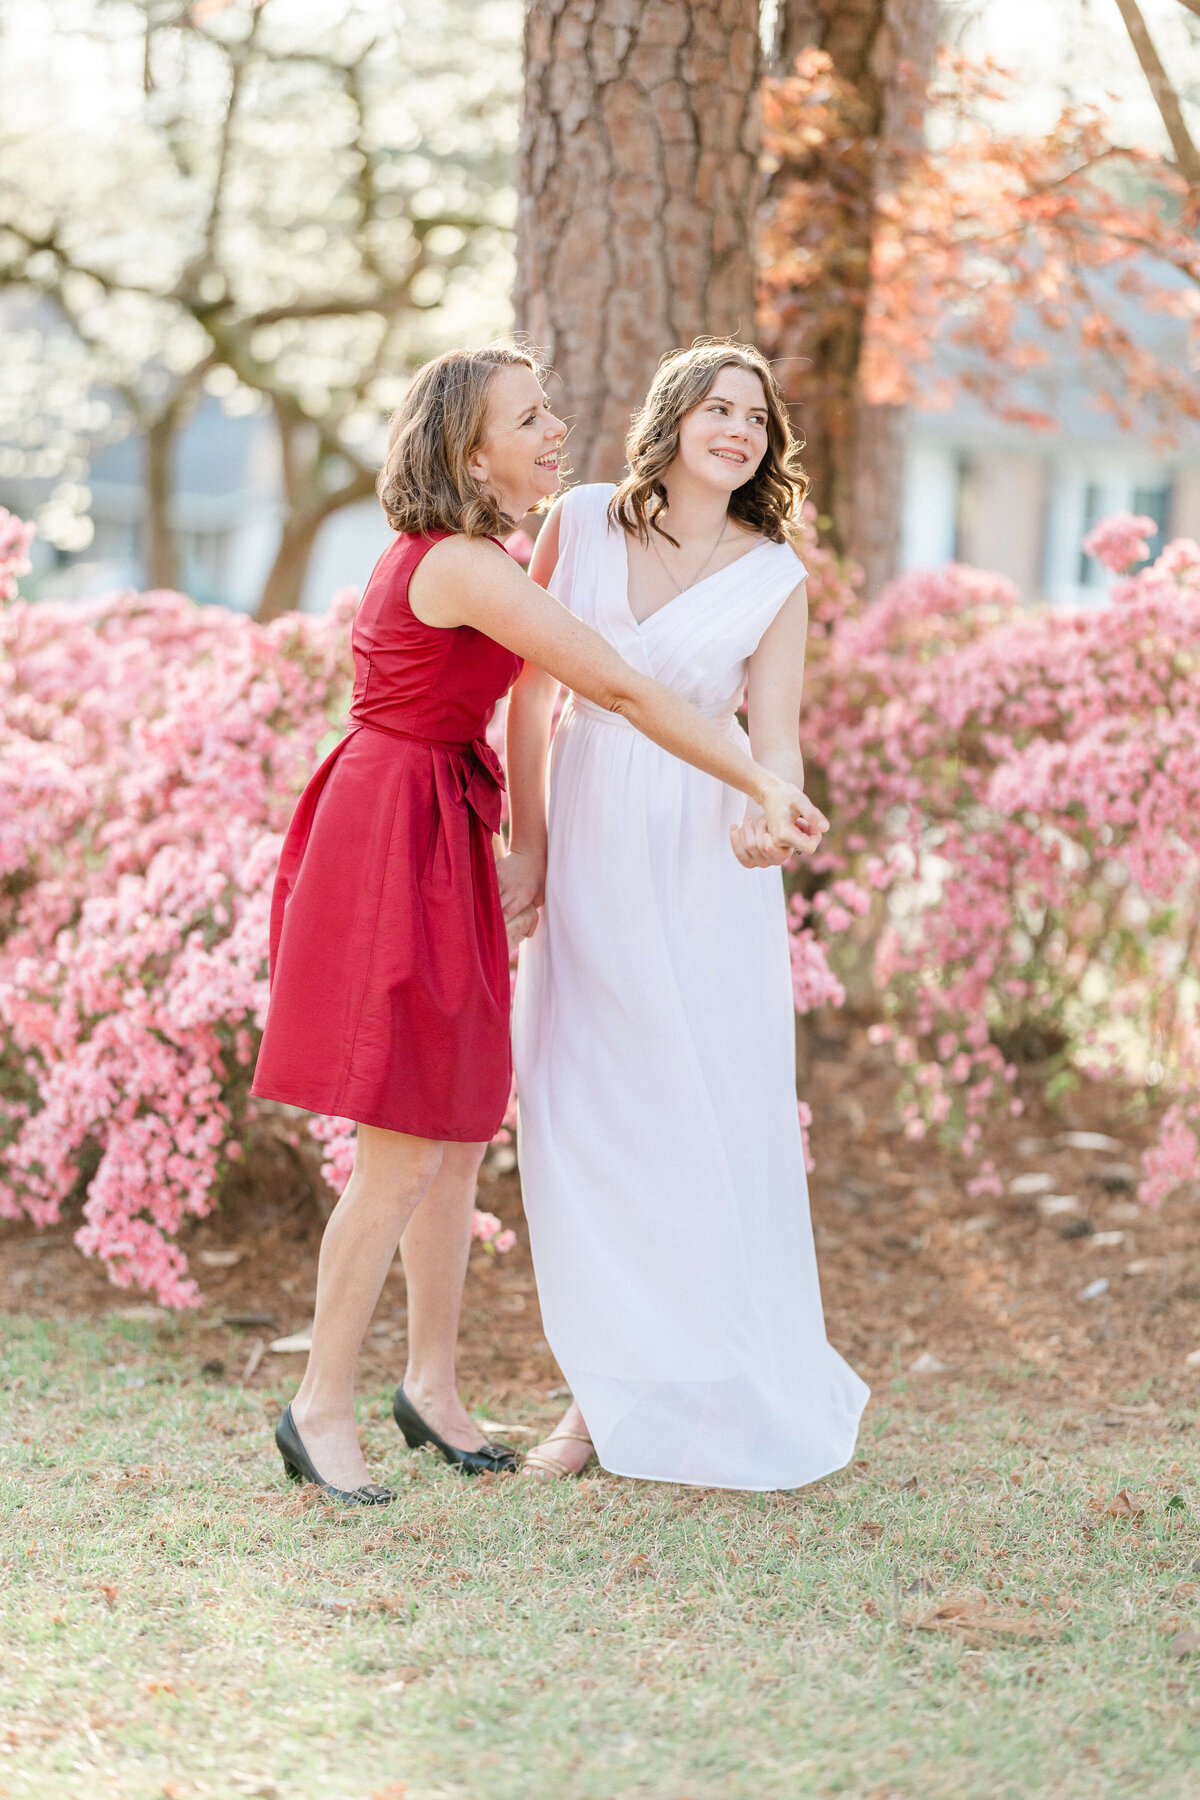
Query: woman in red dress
x,y
389,952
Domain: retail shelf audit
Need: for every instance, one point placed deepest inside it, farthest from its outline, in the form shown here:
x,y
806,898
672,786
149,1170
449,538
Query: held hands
x,y
786,822
522,926
522,889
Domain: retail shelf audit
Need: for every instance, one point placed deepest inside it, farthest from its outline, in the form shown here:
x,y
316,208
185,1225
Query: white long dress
x,y
660,1151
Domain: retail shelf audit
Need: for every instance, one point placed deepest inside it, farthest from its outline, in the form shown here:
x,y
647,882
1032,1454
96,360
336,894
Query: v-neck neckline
x,y
641,624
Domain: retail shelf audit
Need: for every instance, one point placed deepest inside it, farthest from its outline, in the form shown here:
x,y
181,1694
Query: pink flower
x,y
804,1113
1120,541
15,538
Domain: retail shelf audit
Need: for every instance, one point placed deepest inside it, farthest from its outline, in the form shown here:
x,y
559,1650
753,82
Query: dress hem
x,y
729,1487
457,1136
733,1487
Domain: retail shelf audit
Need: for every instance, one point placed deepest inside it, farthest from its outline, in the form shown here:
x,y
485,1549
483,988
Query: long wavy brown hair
x,y
424,484
768,503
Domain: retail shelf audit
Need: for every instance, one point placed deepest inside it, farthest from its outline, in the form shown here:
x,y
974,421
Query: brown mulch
x,y
913,1270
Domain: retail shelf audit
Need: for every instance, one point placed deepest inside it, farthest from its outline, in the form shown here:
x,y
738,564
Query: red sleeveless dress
x,y
389,963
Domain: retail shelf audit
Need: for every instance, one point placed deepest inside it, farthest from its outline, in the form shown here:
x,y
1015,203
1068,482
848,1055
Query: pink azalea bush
x,y
151,751
1016,851
1012,874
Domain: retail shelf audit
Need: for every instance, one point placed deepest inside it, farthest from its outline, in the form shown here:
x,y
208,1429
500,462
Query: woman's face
x,y
724,438
519,457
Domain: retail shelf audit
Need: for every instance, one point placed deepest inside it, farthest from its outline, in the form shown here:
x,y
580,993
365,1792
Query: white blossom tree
x,y
284,205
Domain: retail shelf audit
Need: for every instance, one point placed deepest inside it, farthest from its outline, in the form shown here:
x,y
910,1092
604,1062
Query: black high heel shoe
x,y
491,1459
299,1466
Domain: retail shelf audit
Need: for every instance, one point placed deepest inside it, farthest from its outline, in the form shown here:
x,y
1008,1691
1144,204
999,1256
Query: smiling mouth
x,y
550,460
733,456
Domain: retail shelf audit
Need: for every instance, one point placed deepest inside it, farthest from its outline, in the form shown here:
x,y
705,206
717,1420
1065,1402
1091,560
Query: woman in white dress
x,y
660,1149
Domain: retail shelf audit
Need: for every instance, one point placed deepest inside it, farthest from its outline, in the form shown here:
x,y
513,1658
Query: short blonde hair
x,y
769,502
424,484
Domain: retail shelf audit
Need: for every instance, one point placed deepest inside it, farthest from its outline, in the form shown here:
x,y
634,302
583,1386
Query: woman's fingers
x,y
745,848
753,846
523,925
793,820
797,839
740,850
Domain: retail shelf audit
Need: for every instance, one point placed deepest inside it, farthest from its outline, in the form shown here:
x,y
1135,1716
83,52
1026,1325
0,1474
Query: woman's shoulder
x,y
581,514
589,499
440,561
786,561
397,562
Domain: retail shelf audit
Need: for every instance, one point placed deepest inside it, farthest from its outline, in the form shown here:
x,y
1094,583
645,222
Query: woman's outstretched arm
x,y
468,581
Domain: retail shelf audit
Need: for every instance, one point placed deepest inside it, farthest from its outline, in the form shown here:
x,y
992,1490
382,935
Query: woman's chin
x,y
547,488
724,478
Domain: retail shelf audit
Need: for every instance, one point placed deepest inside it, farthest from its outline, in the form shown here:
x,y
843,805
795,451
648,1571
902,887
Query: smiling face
x,y
519,457
723,439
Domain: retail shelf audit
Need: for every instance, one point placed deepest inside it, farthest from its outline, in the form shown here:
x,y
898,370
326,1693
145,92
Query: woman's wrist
x,y
766,785
536,852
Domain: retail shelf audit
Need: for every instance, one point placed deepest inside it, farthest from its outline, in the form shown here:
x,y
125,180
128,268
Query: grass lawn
x,y
960,1614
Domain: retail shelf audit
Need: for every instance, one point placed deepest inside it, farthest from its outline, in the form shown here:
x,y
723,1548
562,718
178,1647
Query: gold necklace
x,y
699,572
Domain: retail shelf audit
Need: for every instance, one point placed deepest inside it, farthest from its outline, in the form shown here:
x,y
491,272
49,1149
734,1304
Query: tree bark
x,y
854,451
284,586
638,178
160,553
306,456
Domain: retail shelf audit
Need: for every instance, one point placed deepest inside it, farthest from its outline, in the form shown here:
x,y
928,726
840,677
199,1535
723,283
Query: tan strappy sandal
x,y
547,1467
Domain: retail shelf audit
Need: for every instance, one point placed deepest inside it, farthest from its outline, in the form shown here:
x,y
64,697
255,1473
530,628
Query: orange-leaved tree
x,y
988,251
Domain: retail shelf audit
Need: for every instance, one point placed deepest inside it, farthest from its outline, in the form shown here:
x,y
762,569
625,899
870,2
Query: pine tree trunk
x,y
638,187
855,451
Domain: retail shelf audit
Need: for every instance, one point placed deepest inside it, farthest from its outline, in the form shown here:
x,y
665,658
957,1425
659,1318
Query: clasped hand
x,y
522,885
767,840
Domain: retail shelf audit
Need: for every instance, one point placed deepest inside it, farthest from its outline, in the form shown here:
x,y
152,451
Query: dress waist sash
x,y
475,766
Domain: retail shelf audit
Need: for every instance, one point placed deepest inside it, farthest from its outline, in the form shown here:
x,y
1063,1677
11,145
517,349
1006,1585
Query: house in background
x,y
226,511
1021,502
1003,496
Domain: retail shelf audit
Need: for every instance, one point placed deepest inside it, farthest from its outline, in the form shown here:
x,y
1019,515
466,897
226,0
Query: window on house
x,y
966,508
1155,502
1091,573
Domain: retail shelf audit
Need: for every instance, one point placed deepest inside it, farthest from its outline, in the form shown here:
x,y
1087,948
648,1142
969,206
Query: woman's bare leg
x,y
435,1248
392,1174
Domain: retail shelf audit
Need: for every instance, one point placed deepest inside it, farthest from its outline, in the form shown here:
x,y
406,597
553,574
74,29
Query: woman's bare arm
x,y
465,581
773,695
527,731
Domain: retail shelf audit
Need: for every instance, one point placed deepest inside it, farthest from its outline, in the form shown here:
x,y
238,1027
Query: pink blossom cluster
x,y
1018,792
15,538
151,752
486,1228
1121,541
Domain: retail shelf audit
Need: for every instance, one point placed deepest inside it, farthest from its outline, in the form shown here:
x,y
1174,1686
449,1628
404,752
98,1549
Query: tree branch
x,y
1187,155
